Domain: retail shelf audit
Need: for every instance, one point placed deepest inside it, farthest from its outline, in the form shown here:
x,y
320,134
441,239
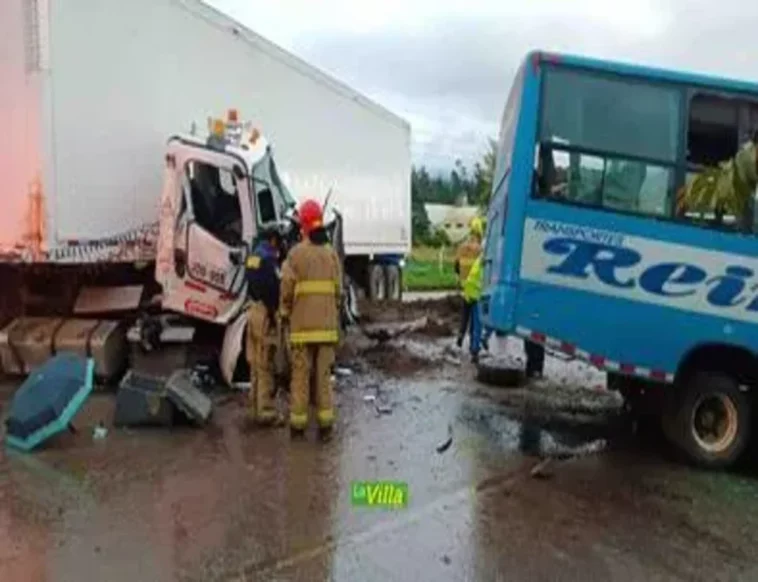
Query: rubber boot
x,y
326,433
275,420
297,433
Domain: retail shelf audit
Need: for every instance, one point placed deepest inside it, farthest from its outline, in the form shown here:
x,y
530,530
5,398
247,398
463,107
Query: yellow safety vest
x,y
472,286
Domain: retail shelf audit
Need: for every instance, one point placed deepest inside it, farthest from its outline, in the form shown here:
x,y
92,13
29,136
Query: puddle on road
x,y
529,436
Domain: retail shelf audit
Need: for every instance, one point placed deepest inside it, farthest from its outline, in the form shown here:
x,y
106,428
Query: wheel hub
x,y
714,422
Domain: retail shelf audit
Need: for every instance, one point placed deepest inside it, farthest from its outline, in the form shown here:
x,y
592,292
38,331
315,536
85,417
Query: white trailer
x,y
91,91
103,170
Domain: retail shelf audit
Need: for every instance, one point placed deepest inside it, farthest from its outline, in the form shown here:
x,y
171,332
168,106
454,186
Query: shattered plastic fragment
x,y
449,441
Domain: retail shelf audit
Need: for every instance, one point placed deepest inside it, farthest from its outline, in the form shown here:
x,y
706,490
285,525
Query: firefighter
x,y
465,256
311,290
262,270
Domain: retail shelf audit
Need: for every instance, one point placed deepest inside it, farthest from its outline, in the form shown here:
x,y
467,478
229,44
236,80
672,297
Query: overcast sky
x,y
446,65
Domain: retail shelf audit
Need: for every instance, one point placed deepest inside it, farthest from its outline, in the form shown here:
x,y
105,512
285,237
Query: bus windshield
x,y
608,141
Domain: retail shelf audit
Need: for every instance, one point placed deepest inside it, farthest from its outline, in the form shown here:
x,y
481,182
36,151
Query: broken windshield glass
x,y
272,198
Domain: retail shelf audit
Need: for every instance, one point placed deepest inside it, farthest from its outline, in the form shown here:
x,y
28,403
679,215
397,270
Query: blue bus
x,y
587,251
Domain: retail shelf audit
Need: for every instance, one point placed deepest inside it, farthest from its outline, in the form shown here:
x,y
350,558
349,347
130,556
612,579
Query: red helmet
x,y
310,216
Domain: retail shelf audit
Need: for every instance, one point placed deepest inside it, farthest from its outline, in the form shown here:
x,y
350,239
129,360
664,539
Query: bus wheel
x,y
711,421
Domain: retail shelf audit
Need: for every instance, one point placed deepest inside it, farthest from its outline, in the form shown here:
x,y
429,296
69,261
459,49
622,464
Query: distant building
x,y
454,220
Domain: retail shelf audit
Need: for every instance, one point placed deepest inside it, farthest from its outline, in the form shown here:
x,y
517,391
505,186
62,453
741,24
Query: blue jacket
x,y
262,271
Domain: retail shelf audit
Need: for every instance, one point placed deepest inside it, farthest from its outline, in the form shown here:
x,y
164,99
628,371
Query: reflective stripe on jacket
x,y
472,286
311,291
261,270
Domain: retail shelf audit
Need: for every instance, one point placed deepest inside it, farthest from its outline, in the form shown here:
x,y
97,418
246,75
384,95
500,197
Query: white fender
x,y
231,348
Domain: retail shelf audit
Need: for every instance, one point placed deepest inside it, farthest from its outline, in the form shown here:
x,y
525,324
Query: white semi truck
x,y
104,108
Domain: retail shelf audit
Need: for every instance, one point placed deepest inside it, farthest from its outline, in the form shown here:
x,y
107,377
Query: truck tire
x,y
377,283
710,420
394,280
350,313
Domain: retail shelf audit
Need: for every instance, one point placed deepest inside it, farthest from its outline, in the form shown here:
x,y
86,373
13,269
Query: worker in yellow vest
x,y
465,256
472,292
310,299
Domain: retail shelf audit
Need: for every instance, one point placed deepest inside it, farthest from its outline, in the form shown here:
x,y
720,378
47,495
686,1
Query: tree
x,y
726,189
484,173
474,184
420,188
438,238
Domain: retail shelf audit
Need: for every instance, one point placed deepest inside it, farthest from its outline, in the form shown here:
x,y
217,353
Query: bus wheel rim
x,y
714,422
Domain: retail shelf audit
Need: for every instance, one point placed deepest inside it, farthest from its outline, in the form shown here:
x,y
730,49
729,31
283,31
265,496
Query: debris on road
x,y
187,397
383,332
369,398
382,409
48,400
142,401
539,471
205,376
99,432
343,372
441,448
452,360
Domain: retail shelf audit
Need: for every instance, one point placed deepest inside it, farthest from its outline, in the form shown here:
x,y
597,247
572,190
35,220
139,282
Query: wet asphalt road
x,y
221,503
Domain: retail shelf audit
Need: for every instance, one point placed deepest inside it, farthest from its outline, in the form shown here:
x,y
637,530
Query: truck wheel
x,y
350,314
394,278
711,421
377,283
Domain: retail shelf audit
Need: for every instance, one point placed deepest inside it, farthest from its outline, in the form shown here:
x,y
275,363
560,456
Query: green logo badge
x,y
384,494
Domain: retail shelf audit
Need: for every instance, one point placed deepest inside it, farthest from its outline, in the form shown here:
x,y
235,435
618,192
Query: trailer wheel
x,y
377,283
350,313
394,279
711,420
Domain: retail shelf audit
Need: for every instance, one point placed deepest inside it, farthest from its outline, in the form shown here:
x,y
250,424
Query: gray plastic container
x,y
189,398
142,400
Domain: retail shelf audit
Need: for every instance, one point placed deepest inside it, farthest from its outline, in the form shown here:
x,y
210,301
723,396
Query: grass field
x,y
425,272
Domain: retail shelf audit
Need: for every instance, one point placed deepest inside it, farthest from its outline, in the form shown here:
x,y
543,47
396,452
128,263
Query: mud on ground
x,y
410,353
442,314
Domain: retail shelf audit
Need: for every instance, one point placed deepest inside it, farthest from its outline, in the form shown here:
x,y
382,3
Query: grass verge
x,y
430,269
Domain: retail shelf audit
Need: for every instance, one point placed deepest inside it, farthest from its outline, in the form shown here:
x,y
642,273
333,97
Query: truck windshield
x,y
608,141
272,198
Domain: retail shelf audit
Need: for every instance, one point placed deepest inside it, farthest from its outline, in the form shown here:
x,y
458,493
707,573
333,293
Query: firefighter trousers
x,y
312,360
261,348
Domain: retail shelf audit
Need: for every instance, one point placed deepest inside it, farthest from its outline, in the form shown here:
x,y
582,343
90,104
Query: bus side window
x,y
608,143
713,132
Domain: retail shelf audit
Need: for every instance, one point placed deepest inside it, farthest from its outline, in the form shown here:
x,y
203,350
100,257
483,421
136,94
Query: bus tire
x,y
500,376
711,422
377,283
393,277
